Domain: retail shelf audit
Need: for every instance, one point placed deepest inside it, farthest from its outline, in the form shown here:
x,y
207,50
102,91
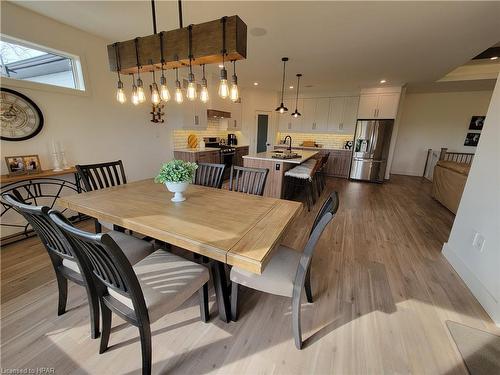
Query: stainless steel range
x,y
227,152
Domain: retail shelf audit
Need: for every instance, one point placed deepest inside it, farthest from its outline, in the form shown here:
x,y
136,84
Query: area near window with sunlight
x,y
35,65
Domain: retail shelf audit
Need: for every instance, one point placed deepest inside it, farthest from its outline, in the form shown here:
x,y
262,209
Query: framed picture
x,y
476,122
472,139
23,164
32,163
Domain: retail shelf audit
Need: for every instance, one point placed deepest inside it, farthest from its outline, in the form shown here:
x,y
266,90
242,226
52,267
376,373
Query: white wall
x,y
479,212
434,120
253,101
93,126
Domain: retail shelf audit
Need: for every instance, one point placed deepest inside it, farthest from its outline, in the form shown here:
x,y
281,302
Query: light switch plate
x,y
478,241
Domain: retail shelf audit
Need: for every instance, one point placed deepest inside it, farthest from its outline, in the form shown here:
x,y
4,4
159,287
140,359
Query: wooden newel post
x,y
444,150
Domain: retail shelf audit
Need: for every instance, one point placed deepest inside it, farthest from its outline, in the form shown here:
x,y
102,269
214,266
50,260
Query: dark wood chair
x,y
100,176
210,175
141,294
248,180
288,271
67,263
321,173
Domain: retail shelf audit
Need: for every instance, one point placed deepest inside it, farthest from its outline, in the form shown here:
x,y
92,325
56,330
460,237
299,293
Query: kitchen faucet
x,y
290,146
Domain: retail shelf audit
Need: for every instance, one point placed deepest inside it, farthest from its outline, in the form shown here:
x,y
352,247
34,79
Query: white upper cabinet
x,y
388,106
368,106
378,106
194,115
343,114
315,115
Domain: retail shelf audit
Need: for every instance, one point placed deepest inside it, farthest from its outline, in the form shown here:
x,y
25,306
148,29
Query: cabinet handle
x,y
196,120
289,125
314,125
375,113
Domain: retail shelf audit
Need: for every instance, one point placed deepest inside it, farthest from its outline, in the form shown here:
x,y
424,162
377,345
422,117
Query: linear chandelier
x,y
213,42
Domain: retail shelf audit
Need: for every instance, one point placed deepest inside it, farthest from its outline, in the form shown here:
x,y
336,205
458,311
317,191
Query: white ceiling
x,y
337,46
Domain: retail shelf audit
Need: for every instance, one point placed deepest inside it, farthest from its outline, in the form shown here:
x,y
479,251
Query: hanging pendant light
x,y
233,93
223,88
297,113
135,96
179,98
204,89
140,84
282,108
191,88
120,94
164,92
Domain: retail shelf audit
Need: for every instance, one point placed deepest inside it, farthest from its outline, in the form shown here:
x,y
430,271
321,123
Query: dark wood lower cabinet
x,y
212,156
240,152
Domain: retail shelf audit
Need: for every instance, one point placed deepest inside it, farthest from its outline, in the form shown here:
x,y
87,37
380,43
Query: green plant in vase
x,y
177,175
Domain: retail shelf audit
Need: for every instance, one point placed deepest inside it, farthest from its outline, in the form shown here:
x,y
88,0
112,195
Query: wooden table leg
x,y
221,290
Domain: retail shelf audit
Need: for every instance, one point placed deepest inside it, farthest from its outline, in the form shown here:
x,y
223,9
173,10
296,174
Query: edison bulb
x,y
282,110
204,94
140,94
191,91
155,95
233,93
223,89
178,95
135,96
164,93
120,94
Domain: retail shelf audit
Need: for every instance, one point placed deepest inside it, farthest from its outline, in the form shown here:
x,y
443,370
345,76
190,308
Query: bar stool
x,y
303,177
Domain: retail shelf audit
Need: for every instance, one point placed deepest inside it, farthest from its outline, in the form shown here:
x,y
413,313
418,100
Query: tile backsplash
x,y
327,140
181,136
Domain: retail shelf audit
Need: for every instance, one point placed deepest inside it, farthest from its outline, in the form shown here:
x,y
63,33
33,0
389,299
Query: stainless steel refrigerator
x,y
372,139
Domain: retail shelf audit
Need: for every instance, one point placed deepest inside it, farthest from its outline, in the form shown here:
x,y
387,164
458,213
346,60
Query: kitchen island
x,y
277,168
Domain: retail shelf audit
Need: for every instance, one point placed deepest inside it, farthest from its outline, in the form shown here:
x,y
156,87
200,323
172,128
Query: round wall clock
x,y
20,117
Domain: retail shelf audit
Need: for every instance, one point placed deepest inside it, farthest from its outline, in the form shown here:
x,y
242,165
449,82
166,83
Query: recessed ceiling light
x,y
494,58
256,83
291,87
383,81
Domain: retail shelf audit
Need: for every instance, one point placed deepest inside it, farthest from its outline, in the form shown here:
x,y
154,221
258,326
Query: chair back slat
x,y
37,216
210,175
110,266
248,180
102,175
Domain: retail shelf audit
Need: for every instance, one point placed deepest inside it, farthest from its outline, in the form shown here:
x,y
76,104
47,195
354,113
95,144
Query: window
x,y
27,62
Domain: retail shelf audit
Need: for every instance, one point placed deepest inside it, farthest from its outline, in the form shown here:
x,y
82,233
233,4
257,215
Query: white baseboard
x,y
478,289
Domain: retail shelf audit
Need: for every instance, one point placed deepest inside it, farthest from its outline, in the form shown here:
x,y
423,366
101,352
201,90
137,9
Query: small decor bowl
x,y
177,188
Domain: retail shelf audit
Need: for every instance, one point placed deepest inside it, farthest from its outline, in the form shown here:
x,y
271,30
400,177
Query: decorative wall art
x,y
476,122
472,139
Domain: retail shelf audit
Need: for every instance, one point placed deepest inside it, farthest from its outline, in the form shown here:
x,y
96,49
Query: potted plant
x,y
176,175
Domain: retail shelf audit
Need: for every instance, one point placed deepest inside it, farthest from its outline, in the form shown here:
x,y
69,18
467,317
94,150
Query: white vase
x,y
177,188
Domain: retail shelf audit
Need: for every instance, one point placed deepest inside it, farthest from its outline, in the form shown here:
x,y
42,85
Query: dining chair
x,y
321,172
99,176
248,180
210,175
139,294
288,271
66,262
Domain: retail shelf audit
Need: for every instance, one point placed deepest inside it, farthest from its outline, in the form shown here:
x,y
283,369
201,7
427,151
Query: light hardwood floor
x,y
382,289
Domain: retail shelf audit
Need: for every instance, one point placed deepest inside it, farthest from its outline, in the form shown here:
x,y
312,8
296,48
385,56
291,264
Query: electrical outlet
x,y
478,241
277,166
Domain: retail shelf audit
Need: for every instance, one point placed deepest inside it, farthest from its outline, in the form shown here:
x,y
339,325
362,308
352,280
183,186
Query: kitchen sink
x,y
285,155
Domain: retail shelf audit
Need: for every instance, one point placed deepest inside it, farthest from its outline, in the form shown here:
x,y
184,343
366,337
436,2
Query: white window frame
x,y
77,66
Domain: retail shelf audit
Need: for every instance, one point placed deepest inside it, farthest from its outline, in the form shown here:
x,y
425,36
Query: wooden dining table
x,y
228,227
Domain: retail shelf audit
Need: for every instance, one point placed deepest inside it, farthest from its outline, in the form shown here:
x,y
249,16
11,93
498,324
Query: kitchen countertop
x,y
197,149
312,148
306,154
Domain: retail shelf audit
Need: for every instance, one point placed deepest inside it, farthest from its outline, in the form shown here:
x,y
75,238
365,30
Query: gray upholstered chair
x,y
288,271
141,294
67,265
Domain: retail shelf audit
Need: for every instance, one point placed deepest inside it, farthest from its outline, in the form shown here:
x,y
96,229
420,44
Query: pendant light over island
x,y
282,108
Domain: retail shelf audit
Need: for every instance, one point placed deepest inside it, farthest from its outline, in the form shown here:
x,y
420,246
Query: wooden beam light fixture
x,y
186,46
